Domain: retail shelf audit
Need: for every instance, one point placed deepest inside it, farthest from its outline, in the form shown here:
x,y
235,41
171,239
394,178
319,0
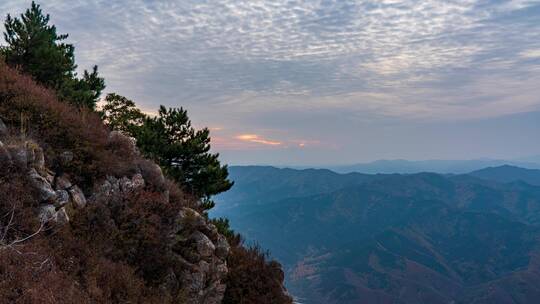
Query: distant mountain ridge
x,y
260,184
508,174
402,166
395,238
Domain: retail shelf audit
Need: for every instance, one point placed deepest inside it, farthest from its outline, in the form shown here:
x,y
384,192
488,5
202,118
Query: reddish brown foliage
x,y
32,278
60,127
112,251
252,278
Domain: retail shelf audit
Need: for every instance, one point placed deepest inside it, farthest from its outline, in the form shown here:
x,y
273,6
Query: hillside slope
x,y
85,218
260,185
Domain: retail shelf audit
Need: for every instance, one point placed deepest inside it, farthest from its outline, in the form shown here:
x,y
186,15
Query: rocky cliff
x,y
85,218
198,250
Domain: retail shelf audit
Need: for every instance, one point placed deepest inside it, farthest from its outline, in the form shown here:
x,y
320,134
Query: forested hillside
x,y
419,238
508,174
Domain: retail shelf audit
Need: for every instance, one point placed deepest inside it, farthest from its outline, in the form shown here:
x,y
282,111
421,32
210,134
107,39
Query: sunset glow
x,y
257,139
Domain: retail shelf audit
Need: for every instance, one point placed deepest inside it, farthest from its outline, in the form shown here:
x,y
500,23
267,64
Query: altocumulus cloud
x,y
237,63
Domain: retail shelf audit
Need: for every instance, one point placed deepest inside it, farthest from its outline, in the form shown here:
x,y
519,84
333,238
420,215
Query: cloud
x,y
535,53
224,141
207,53
254,138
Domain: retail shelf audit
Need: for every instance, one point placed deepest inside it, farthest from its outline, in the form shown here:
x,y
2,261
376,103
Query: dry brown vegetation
x,y
252,278
109,252
58,127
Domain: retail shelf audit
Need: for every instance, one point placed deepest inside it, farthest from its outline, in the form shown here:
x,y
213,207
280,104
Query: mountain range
x,y
439,166
508,174
395,238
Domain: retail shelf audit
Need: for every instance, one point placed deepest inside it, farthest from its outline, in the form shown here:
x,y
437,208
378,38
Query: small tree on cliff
x,y
184,153
121,114
170,140
34,46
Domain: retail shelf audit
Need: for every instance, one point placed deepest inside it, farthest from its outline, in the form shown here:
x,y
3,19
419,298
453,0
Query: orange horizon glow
x,y
257,139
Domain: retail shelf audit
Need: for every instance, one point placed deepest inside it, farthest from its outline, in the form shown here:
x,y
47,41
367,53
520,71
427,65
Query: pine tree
x,y
83,91
34,46
121,114
184,153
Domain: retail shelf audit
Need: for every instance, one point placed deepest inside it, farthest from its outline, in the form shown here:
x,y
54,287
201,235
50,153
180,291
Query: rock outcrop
x,y
3,128
203,251
53,197
195,245
199,251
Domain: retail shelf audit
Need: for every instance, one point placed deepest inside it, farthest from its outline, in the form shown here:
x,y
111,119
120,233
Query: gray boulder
x,y
3,128
190,219
222,247
202,253
204,245
5,156
45,190
49,213
77,197
62,183
128,185
152,174
62,198
49,176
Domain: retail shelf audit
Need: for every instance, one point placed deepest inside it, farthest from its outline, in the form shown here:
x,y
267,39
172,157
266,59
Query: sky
x,y
323,82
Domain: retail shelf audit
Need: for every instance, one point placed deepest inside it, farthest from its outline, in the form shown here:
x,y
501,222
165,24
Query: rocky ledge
x,y
199,250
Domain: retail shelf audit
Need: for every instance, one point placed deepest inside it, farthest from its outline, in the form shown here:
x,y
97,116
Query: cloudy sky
x,y
324,81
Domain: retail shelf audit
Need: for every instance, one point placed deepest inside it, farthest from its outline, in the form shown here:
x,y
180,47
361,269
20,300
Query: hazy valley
x,y
391,238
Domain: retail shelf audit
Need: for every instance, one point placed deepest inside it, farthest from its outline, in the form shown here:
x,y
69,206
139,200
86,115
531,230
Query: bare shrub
x,y
252,278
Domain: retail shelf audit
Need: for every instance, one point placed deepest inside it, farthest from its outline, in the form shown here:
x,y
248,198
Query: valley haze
x,y
394,238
